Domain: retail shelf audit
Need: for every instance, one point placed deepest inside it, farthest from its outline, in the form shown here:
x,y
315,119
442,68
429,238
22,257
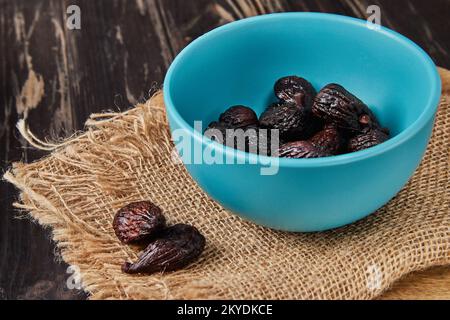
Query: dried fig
x,y
336,105
288,118
238,117
260,140
368,139
248,139
177,246
138,221
328,140
245,139
216,131
301,149
296,90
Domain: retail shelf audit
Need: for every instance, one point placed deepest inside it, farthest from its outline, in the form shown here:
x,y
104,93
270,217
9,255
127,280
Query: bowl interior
x,y
239,64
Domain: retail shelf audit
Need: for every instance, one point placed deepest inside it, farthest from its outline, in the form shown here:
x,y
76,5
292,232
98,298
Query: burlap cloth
x,y
126,157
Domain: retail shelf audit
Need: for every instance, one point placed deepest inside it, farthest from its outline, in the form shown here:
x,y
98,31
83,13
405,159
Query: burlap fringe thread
x,y
128,156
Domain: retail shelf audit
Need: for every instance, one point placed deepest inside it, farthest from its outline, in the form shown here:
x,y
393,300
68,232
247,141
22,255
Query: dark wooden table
x,y
56,77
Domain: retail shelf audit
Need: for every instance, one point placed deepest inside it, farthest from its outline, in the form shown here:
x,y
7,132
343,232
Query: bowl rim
x,y
427,113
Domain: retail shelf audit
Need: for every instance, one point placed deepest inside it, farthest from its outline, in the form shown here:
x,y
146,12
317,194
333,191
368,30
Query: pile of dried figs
x,y
309,124
167,248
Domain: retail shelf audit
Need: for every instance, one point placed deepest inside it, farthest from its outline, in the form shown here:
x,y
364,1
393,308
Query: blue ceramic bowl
x,y
239,63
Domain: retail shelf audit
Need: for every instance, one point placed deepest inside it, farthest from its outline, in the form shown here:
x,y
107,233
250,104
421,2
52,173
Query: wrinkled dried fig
x,y
138,221
328,140
177,246
336,105
301,149
238,117
256,140
216,131
296,90
367,140
250,139
288,118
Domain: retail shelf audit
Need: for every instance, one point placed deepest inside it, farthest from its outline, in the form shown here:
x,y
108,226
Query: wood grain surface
x,y
56,77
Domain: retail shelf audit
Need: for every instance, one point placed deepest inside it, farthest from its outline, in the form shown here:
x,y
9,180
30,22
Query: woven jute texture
x,y
127,157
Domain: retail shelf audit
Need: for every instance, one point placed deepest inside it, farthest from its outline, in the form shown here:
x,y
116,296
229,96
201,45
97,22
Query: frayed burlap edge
x,y
85,238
